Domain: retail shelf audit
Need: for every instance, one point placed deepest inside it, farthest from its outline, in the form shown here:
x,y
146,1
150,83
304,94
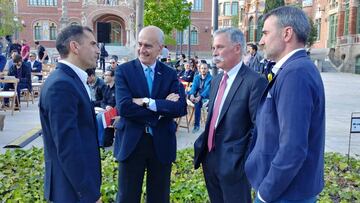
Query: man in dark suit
x,y
72,158
234,96
286,163
21,71
34,64
255,58
148,98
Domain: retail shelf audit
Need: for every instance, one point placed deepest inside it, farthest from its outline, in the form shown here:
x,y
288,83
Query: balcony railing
x,y
349,39
105,2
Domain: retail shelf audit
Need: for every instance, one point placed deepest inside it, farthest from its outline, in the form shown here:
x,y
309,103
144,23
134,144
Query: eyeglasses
x,y
112,62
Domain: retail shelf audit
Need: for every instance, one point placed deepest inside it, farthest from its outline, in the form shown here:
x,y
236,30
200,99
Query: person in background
x,y
199,93
96,87
286,163
255,58
164,53
188,74
35,65
43,56
25,51
71,152
103,55
107,103
234,95
21,71
2,62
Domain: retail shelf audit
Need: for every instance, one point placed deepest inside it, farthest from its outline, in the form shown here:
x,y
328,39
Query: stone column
x,y
64,20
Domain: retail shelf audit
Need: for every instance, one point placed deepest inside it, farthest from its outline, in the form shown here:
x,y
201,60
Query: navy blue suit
x,y
131,140
37,67
72,158
224,166
287,161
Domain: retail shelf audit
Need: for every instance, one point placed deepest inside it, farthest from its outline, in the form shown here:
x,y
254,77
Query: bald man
x,y
148,97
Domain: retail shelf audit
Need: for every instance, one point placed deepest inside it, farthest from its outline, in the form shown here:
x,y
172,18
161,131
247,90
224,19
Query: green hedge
x,y
21,175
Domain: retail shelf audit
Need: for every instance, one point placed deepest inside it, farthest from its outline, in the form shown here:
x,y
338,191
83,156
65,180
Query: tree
x,y
168,15
8,24
312,34
272,4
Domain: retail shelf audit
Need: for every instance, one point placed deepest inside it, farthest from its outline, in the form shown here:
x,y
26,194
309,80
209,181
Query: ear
x,y
237,48
288,33
74,47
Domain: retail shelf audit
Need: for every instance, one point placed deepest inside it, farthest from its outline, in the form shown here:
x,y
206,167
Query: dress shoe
x,y
196,129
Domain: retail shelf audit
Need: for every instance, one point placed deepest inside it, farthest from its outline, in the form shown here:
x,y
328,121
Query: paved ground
x,y
342,98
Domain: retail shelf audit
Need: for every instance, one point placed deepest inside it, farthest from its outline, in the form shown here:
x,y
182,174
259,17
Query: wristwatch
x,y
146,102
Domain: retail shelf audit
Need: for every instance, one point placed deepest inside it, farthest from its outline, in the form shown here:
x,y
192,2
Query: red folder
x,y
107,117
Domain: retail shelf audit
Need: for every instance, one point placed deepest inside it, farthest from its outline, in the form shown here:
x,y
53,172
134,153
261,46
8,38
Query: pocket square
x,y
268,95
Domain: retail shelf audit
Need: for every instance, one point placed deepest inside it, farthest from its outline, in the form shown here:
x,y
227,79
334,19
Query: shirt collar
x,y
278,64
151,66
232,73
79,72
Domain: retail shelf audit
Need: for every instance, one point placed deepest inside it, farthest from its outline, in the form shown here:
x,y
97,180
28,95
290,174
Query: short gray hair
x,y
293,17
235,35
160,33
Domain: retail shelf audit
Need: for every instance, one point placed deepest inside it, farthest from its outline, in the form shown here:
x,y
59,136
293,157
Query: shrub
x,y
21,174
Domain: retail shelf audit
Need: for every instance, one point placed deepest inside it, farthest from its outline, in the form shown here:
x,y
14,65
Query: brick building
x,y
42,19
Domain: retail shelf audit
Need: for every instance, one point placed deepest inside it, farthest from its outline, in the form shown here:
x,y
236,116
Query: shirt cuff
x,y
261,199
152,105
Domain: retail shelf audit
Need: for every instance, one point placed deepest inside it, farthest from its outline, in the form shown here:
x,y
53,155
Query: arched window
x,y
251,30
53,33
194,36
260,25
45,30
115,35
37,32
357,65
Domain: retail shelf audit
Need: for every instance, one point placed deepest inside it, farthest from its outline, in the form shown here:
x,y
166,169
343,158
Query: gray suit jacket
x,y
235,124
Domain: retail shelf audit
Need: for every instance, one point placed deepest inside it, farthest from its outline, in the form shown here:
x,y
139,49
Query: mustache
x,y
217,59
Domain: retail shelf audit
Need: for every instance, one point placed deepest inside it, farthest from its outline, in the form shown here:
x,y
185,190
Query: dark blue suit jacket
x,y
25,75
37,65
72,159
236,122
287,161
130,82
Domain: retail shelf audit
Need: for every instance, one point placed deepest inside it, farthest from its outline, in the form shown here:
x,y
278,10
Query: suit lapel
x,y
235,85
157,79
214,90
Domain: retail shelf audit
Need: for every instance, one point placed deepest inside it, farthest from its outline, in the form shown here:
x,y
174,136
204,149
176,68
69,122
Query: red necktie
x,y
215,114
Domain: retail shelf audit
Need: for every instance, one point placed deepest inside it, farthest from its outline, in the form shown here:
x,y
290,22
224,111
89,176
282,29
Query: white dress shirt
x,y
80,73
232,75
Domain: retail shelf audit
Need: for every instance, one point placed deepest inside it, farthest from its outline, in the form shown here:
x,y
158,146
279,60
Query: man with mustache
x,y
234,95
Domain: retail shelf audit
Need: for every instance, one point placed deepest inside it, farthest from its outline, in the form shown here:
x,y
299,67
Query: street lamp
x,y
16,20
189,36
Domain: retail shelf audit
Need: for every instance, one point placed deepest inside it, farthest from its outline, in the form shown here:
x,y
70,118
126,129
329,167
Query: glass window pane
x,y
234,8
227,9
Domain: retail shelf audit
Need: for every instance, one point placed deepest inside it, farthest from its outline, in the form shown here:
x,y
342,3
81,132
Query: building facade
x,y
111,20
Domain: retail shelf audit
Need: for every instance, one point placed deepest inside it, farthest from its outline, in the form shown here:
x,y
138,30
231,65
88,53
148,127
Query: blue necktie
x,y
149,79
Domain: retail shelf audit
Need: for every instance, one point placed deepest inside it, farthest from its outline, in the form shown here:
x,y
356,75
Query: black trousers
x,y
222,189
132,170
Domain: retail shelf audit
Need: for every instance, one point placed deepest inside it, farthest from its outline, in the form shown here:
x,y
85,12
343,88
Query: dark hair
x,y
293,17
115,58
112,72
17,58
183,56
37,42
203,61
253,46
68,34
90,71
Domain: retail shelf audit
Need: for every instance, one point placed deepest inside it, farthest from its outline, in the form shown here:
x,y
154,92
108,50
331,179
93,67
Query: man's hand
x,y
197,99
108,108
192,98
173,97
99,200
138,101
